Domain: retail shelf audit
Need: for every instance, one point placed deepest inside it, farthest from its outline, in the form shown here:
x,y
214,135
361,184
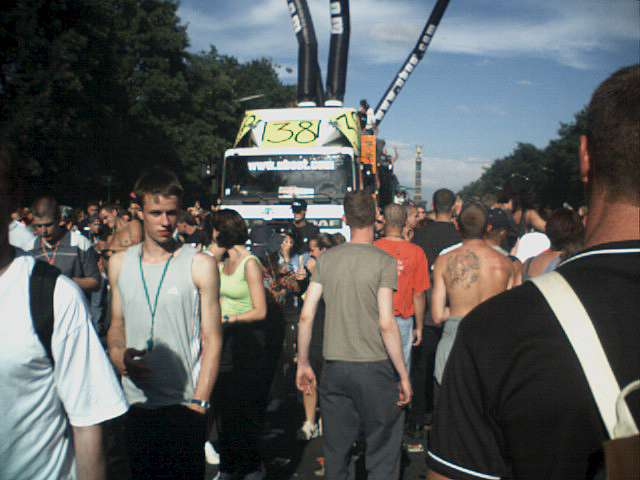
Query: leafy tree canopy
x,y
546,178
92,92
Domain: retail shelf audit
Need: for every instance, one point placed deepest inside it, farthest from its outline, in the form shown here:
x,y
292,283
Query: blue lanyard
x,y
152,310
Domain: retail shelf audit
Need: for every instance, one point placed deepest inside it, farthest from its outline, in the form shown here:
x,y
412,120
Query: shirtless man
x,y
123,234
466,277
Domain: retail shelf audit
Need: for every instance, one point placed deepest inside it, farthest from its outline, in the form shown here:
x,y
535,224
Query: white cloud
x,y
437,172
524,83
567,32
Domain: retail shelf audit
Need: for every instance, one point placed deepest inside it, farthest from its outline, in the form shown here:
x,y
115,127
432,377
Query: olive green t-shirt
x,y
351,275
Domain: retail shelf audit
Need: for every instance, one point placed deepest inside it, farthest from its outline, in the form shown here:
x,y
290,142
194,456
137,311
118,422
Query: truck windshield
x,y
313,176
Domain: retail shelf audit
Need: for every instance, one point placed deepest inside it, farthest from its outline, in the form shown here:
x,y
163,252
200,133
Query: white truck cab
x,y
282,154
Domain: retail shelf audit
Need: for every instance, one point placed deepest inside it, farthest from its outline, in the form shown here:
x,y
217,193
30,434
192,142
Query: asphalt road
x,y
286,458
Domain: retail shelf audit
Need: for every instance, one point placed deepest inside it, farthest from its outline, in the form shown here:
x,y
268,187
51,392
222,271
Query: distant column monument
x,y
417,196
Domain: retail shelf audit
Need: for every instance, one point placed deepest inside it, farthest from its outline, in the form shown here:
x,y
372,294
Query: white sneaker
x,y
210,454
308,431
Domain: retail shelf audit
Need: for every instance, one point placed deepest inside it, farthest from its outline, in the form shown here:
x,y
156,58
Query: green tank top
x,y
235,297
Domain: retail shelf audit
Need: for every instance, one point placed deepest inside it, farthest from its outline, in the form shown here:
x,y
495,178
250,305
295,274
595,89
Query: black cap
x,y
498,219
299,205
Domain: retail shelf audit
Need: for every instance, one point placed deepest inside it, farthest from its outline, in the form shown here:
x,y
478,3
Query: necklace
x,y
50,260
152,310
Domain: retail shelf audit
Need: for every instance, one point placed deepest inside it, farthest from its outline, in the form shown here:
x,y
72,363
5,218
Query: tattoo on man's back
x,y
463,269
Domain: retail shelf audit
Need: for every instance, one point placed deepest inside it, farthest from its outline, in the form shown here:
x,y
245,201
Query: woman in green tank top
x,y
239,393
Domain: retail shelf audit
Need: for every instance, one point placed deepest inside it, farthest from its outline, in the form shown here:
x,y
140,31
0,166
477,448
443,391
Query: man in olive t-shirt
x,y
362,349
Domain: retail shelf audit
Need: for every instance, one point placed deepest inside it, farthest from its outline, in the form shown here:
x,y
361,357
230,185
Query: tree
x,y
550,176
94,91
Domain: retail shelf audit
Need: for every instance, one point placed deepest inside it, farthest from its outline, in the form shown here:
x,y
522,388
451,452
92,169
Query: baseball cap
x,y
299,205
498,219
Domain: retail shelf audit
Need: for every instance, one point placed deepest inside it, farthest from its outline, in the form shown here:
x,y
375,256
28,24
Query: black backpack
x,y
41,286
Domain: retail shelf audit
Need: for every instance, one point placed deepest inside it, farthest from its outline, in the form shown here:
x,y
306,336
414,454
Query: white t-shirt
x,y
35,436
530,245
20,236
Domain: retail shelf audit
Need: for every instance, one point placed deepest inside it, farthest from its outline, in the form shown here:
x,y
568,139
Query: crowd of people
x,y
177,322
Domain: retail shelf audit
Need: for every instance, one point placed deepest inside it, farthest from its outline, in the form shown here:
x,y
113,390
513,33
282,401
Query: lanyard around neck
x,y
153,310
50,260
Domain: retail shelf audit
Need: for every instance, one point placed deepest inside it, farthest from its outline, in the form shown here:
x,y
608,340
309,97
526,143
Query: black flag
x,y
412,60
338,52
310,89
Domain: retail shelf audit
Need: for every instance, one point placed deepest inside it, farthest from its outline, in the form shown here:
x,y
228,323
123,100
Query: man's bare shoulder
x,y
115,264
204,269
126,236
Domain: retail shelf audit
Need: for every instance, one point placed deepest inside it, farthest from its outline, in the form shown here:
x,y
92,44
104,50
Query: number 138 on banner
x,y
298,132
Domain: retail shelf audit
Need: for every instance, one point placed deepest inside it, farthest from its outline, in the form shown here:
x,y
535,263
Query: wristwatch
x,y
200,403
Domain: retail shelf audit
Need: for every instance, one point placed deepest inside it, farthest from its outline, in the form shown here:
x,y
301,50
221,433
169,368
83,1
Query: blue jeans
x,y
406,334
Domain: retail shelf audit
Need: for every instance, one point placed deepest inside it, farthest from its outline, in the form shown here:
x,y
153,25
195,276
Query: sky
x,y
498,72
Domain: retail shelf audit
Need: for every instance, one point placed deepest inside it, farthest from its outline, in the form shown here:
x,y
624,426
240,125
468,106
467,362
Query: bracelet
x,y
200,403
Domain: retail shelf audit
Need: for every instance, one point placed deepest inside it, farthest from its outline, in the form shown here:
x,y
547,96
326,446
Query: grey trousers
x,y
361,397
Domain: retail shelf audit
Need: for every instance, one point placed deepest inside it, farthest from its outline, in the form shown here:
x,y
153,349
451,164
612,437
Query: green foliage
x,y
550,176
94,91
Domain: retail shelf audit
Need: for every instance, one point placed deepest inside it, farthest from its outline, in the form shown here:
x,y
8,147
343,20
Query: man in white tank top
x,y
165,337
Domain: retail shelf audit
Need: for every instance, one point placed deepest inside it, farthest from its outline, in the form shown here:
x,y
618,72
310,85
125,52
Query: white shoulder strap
x,y
578,327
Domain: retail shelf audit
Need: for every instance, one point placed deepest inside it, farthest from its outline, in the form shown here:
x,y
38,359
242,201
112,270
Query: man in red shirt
x,y
413,278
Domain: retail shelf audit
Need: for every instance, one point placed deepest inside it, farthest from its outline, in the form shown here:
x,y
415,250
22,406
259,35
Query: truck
x,y
309,153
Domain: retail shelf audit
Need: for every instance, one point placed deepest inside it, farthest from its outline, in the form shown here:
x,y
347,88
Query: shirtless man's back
x,y
468,276
464,278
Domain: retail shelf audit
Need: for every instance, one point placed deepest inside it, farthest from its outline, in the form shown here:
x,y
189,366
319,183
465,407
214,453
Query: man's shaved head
x,y
473,221
395,215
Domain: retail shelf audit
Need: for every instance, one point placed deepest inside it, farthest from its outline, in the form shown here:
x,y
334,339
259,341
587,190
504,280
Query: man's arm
x,y
207,279
535,220
87,284
305,376
116,338
90,279
393,343
419,307
439,310
90,459
128,361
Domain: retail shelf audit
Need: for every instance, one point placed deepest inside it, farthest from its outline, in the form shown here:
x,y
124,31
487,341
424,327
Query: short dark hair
x,y
186,217
46,206
443,200
158,181
359,209
324,241
395,215
473,220
338,239
565,230
489,199
110,207
231,227
613,116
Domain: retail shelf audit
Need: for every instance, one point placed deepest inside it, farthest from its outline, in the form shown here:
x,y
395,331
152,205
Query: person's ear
x,y
585,159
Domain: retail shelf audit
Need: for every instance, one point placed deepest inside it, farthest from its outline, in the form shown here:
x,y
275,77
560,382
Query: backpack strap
x,y
41,287
577,325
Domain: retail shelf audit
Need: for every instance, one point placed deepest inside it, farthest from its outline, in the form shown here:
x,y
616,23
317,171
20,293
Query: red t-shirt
x,y
413,273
